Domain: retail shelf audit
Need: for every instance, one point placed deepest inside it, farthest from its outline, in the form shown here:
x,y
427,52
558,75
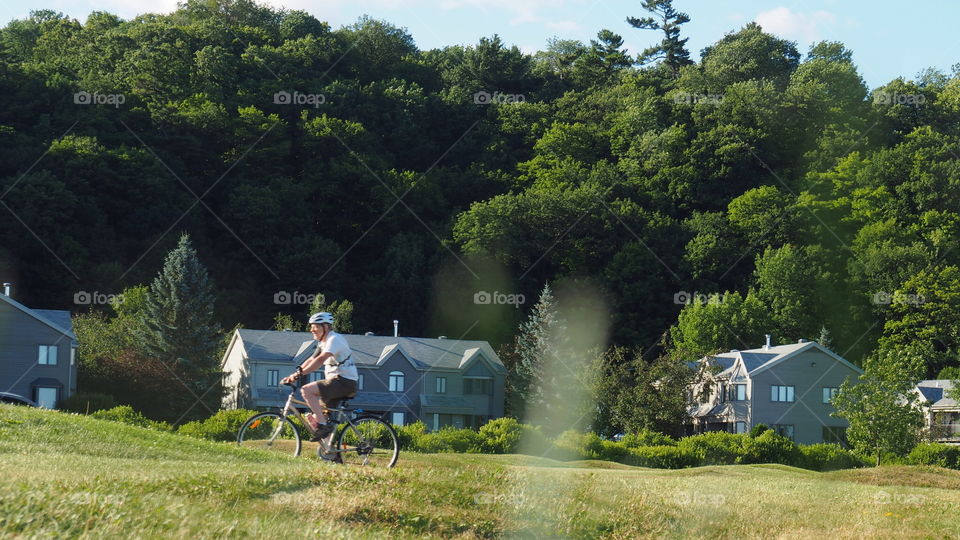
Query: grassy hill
x,y
68,475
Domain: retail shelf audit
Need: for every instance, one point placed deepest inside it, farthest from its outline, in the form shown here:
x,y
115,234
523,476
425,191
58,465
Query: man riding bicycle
x,y
340,372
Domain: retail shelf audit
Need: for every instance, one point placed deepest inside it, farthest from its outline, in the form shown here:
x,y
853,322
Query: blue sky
x,y
888,39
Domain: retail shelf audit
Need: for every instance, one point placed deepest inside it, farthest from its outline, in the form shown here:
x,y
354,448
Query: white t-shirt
x,y
336,345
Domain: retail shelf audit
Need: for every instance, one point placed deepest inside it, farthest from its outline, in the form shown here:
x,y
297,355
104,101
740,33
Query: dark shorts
x,y
332,391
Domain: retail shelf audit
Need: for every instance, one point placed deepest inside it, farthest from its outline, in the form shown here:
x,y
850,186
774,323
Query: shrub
x,y
662,457
941,455
410,434
715,447
768,447
450,439
758,430
87,402
123,414
573,444
647,437
222,426
828,457
501,436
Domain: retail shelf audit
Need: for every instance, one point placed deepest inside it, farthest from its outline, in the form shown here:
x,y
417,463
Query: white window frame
x,y
830,392
436,421
40,400
735,392
360,381
441,385
395,381
780,393
47,355
394,416
273,377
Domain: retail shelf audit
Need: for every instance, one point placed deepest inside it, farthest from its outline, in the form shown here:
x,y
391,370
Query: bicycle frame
x,y
341,418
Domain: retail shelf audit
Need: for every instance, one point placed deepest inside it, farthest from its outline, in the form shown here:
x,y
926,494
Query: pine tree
x,y
672,50
825,339
180,330
532,345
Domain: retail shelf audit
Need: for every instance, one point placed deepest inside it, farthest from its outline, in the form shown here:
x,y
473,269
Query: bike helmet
x,y
320,318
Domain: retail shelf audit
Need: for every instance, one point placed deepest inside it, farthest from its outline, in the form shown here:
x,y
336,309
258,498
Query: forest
x,y
757,190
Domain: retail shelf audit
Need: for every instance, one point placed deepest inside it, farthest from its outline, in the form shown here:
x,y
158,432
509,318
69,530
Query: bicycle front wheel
x,y
270,431
368,441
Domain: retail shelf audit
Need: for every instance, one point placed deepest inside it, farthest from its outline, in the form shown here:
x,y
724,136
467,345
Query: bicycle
x,y
360,437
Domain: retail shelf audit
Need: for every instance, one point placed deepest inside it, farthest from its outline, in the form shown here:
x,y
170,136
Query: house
x,y
38,352
941,410
442,382
786,387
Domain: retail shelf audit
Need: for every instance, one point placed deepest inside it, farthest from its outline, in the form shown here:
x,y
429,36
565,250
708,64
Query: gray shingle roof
x,y
936,393
57,319
271,345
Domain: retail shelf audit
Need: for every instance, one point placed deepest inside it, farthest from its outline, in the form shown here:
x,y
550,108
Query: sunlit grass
x,y
65,475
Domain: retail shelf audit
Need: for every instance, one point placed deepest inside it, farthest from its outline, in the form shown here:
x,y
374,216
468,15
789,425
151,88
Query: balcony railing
x,y
941,432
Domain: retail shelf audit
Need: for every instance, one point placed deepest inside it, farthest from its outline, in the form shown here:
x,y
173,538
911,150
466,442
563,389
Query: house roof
x,y
936,392
762,359
57,319
370,351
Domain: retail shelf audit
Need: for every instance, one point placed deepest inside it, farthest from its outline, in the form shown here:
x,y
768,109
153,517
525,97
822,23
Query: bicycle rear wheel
x,y
270,431
370,442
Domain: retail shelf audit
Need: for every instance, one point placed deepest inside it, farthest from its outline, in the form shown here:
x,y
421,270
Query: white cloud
x,y
795,25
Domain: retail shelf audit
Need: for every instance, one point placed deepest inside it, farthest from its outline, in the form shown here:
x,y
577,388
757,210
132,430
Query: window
x,y
46,397
739,427
781,393
73,356
317,375
478,386
273,377
835,434
360,381
396,381
441,385
47,355
738,392
397,418
436,421
784,430
829,394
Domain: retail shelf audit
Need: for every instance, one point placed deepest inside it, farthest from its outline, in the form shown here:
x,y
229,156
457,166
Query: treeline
x,y
302,158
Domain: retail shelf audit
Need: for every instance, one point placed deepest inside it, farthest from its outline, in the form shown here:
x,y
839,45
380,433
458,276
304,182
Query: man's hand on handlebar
x,y
293,377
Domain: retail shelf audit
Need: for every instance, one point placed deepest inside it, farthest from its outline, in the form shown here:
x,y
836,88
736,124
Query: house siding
x,y
20,338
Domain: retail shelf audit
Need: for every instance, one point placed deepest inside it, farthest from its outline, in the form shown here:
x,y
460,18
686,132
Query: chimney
x,y
801,340
442,337
767,346
396,328
368,333
6,288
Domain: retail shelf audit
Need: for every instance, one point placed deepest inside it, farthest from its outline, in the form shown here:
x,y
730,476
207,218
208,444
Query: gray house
x,y
941,411
442,382
786,387
37,352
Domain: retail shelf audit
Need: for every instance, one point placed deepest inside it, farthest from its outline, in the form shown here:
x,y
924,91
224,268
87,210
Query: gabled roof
x,y
370,351
758,360
935,392
54,318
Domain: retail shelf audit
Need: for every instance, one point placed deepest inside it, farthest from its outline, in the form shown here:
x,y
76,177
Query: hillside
x,y
65,475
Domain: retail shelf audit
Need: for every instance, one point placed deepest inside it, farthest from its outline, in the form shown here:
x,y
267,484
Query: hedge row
x,y
645,449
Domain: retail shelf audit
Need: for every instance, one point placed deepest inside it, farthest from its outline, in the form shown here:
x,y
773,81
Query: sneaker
x,y
322,432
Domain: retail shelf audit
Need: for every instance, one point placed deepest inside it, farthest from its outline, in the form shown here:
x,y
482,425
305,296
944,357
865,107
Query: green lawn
x,y
67,475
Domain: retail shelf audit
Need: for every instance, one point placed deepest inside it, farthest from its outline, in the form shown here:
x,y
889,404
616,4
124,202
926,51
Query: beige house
x,y
941,410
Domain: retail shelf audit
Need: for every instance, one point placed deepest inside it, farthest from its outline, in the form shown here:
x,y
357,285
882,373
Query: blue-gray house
x,y
442,382
38,352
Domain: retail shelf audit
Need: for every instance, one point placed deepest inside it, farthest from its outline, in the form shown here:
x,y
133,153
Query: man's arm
x,y
309,365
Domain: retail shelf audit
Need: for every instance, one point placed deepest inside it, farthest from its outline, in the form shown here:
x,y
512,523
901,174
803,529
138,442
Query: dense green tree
x,y
672,50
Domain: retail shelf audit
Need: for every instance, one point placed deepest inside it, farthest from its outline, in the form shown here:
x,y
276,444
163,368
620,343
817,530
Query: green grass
x,y
68,475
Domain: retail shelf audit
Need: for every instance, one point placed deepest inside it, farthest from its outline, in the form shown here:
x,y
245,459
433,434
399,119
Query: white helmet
x,y
320,318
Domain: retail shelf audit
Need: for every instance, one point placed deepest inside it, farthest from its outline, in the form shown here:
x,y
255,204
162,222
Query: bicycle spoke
x,y
368,442
272,432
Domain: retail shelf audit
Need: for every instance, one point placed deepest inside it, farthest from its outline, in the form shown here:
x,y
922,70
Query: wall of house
x,y
233,376
808,414
20,338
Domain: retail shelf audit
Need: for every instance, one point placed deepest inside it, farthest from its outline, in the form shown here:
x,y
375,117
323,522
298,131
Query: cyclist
x,y
340,372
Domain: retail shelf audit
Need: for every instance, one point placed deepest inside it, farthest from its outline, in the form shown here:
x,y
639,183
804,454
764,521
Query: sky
x,y
889,39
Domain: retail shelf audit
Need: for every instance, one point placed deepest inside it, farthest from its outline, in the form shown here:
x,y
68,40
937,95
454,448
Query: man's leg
x,y
311,394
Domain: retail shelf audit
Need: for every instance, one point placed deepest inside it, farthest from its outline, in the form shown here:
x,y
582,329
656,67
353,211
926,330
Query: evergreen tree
x,y
825,339
531,347
180,331
672,50
342,311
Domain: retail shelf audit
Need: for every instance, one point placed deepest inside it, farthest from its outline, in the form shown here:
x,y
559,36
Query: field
x,y
67,475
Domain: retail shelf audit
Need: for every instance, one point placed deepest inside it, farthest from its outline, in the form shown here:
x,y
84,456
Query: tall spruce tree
x,y
532,346
672,50
180,330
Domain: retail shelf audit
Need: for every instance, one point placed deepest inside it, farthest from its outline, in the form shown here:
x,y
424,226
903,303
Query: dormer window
x,y
738,392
